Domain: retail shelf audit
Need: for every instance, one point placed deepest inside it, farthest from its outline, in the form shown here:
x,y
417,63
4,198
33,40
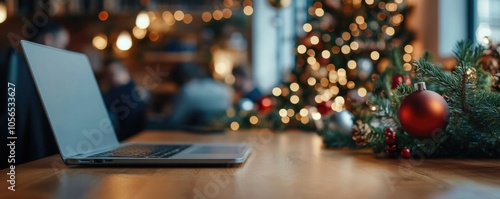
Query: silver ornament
x,y
341,122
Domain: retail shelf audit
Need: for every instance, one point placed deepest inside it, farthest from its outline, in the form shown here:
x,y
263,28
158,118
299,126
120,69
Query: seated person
x,y
243,84
126,105
199,100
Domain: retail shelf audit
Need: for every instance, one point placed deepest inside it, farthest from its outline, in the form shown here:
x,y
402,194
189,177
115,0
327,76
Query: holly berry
x,y
390,140
389,132
391,150
405,153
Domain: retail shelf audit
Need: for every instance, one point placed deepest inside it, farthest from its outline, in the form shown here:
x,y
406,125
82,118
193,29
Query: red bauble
x,y
265,104
399,79
324,108
405,153
423,113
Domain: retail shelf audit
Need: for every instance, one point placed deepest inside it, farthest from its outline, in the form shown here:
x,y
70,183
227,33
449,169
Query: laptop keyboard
x,y
144,151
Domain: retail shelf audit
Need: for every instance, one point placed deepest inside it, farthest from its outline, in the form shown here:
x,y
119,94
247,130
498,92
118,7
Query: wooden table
x,y
282,165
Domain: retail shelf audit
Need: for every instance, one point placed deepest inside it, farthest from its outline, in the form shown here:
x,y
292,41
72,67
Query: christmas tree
x,y
456,115
346,44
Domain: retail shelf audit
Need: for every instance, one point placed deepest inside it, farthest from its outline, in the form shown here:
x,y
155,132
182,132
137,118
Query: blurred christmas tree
x,y
346,44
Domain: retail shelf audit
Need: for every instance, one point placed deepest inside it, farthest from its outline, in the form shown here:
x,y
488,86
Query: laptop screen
x,y
71,98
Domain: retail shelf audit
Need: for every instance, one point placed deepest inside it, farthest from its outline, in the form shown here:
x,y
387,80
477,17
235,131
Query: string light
x,y
139,33
206,16
407,67
311,60
178,15
142,21
351,64
154,36
354,45
301,49
375,55
276,91
408,49
307,27
168,17
285,120
188,18
362,92
314,40
254,120
290,112
304,120
407,58
311,81
325,54
350,85
294,87
304,112
370,2
390,31
391,7
294,99
248,10
235,126
360,20
227,13
346,49
100,41
319,12
103,15
124,41
217,14
316,116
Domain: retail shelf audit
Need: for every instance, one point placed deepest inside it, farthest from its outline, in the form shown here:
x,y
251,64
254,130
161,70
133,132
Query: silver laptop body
x,y
81,124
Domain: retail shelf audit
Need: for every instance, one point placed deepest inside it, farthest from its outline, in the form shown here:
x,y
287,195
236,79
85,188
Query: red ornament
x,y
265,104
423,113
405,153
399,79
390,139
324,107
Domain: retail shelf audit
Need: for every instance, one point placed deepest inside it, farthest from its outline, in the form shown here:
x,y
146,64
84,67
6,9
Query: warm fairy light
x,y
351,64
100,41
307,27
217,14
339,41
398,1
235,126
294,99
188,18
178,15
311,52
342,81
282,112
319,12
3,12
314,40
304,112
318,99
341,72
325,54
103,15
230,112
311,81
154,36
229,79
346,49
324,82
381,5
301,49
248,10
354,45
206,16
335,90
363,26
124,41
390,31
139,33
316,116
346,36
370,2
351,85
285,120
375,55
360,20
391,7
304,120
254,120
408,49
294,87
228,3
326,37
407,58
362,92
290,112
168,17
339,100
330,67
397,19
227,13
276,91
407,67
315,66
142,21
335,50
152,15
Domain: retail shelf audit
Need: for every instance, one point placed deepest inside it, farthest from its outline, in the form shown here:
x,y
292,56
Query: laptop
x,y
82,127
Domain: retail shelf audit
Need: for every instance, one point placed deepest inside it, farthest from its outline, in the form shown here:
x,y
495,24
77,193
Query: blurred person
x,y
244,85
199,100
123,100
34,135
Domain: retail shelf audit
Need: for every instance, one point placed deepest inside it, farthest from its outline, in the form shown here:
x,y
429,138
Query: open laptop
x,y
81,124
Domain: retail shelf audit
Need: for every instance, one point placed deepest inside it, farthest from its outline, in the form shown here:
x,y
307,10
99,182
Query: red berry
x,y
391,149
405,153
389,131
390,140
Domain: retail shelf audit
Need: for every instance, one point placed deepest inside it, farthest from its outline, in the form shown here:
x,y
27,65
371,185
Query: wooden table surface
x,y
281,165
